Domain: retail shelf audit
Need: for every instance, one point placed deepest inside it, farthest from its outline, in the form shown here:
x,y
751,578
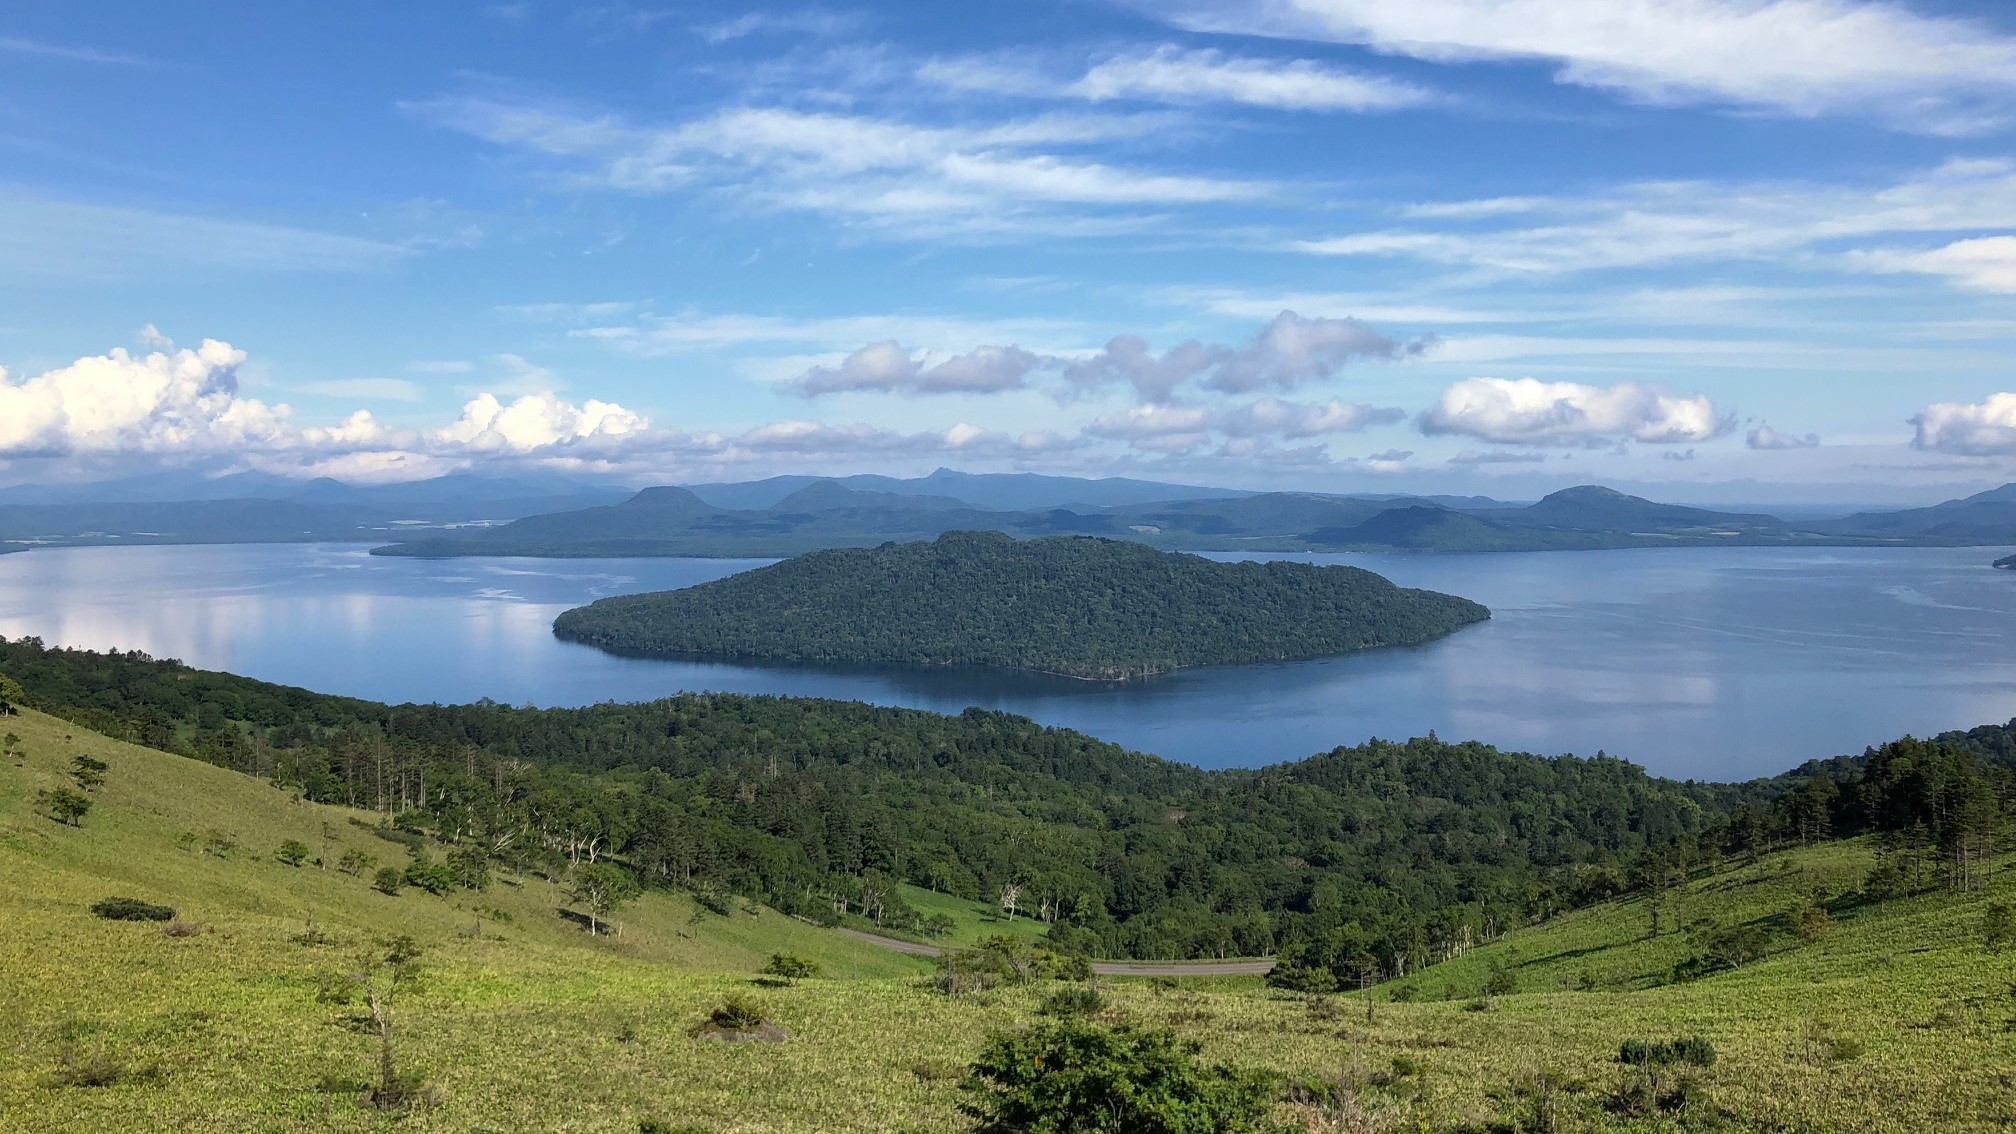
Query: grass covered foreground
x,y
1893,1016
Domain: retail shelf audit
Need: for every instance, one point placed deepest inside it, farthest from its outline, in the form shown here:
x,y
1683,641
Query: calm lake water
x,y
1697,662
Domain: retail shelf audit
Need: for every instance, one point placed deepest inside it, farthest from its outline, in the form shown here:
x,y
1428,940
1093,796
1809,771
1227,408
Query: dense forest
x,y
1077,606
1377,858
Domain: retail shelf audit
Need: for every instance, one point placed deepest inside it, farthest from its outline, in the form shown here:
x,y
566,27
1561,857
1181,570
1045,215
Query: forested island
x,y
1073,606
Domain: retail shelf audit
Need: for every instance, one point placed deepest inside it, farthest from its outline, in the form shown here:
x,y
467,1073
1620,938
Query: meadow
x,y
1892,1017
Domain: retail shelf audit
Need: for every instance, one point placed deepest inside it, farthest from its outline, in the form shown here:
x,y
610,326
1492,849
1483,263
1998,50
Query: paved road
x,y
1103,968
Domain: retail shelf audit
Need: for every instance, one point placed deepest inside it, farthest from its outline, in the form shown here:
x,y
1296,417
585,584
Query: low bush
x,y
737,1013
179,928
1079,1000
790,967
1070,1077
1693,1051
132,909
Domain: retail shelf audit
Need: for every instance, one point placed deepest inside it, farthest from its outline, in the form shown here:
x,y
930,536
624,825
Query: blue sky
x,y
1721,250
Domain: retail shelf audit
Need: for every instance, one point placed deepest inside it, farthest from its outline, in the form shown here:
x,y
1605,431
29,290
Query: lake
x,y
1711,663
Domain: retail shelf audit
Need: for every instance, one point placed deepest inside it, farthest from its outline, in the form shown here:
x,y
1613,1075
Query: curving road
x,y
1103,968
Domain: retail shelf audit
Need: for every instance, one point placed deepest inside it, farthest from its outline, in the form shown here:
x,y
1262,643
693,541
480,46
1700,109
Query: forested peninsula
x,y
1074,606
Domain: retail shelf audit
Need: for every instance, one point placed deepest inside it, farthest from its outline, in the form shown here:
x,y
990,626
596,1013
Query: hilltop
x,y
1079,607
1885,1012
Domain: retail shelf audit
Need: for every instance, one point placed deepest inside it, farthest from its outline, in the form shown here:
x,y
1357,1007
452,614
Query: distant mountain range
x,y
821,514
555,516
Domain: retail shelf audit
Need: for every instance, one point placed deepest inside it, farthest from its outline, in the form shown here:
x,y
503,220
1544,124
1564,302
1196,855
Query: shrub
x,y
433,877
655,1126
98,1070
1297,977
1998,926
293,852
388,880
1501,982
737,1013
63,805
789,966
132,909
1808,921
1003,960
355,862
1070,1077
1693,1051
1081,1000
180,928
938,925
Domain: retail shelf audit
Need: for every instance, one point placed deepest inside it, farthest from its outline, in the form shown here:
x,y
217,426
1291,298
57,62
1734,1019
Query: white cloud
x,y
919,180
1766,438
1986,263
1182,76
1289,351
151,336
1803,57
1178,75
1526,411
1170,427
885,367
18,45
119,403
1981,429
1658,223
389,389
42,239
536,421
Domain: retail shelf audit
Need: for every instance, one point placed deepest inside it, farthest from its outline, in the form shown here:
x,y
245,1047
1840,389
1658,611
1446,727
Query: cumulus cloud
x,y
1803,57
886,367
1291,350
535,421
186,402
119,402
1766,438
1980,429
1526,411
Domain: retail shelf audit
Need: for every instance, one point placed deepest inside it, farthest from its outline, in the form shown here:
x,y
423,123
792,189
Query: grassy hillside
x,y
533,1024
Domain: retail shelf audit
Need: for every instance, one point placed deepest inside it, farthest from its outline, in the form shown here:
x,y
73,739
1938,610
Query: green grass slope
x,y
531,1024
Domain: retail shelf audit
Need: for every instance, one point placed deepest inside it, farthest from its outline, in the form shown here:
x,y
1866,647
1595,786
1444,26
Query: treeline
x,y
1076,606
1418,850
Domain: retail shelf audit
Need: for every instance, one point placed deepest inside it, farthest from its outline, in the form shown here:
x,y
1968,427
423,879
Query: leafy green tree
x,y
12,697
63,805
10,747
293,852
601,888
88,772
355,862
790,967
388,880
382,979
1071,1076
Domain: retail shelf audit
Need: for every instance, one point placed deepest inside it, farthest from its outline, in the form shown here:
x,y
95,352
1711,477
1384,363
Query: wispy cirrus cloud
x,y
1670,223
1180,76
915,178
1798,57
20,45
46,238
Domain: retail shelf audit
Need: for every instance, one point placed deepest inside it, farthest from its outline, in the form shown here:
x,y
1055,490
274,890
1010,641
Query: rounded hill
x,y
1071,605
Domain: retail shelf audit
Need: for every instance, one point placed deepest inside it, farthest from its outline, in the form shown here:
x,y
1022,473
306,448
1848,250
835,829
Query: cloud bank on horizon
x,y
1341,244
